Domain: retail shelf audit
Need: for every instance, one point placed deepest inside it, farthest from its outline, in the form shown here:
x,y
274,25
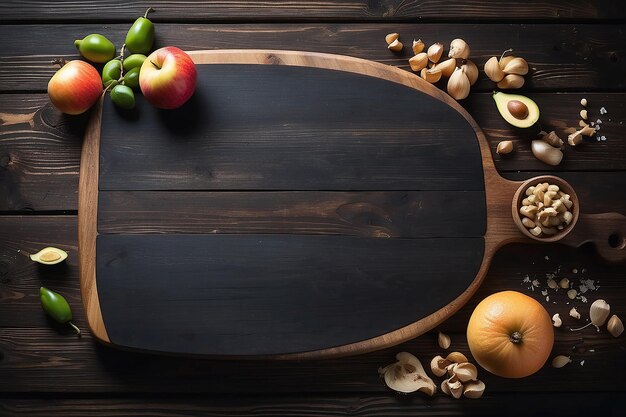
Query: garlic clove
x,y
556,320
459,49
553,139
583,114
615,326
458,85
517,66
444,387
418,46
471,70
443,340
455,387
505,60
599,312
511,81
435,51
456,357
493,70
465,371
390,38
574,313
447,67
395,46
571,294
418,62
431,75
438,365
407,375
560,361
546,153
504,147
474,389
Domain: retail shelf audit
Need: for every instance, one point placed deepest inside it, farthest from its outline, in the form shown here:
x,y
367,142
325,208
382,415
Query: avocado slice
x,y
518,110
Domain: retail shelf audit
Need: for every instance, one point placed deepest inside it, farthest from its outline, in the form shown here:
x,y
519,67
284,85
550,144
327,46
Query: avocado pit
x,y
517,109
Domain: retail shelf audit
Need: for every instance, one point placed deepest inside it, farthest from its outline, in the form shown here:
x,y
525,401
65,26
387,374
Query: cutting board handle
x,y
606,231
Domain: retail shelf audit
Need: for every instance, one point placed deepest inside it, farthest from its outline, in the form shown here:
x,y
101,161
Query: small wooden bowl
x,y
564,186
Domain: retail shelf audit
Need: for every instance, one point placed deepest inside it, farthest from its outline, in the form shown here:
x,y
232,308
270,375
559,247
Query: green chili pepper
x,y
123,96
95,48
140,36
131,78
56,307
111,71
134,61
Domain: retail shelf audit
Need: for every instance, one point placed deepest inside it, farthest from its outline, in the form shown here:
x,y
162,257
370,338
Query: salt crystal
x,y
603,111
582,289
574,271
589,284
591,350
536,283
544,292
526,279
547,298
603,138
583,299
582,362
546,258
598,139
598,121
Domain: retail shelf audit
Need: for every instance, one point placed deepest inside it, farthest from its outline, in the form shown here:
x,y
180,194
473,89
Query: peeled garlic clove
x,y
511,81
556,320
458,85
546,153
504,147
459,49
517,66
438,365
456,357
434,52
431,75
574,313
418,62
474,389
493,70
418,46
560,361
454,387
49,256
395,46
390,38
465,371
447,67
443,340
615,326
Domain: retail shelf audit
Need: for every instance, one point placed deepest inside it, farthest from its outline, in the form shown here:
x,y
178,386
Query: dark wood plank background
x,y
575,49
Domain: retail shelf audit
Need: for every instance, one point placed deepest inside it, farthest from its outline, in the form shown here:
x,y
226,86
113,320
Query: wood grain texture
x,y
368,214
562,57
582,404
37,142
34,351
346,10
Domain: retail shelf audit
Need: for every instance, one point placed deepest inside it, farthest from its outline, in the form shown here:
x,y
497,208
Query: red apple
x,y
168,78
75,87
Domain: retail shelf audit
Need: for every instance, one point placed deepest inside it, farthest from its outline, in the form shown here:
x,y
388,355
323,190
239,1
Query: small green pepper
x,y
140,36
123,96
134,61
95,48
56,307
111,71
131,78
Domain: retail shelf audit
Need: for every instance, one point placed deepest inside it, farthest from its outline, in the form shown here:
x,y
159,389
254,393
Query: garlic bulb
x,y
459,49
598,313
458,85
471,70
434,52
493,70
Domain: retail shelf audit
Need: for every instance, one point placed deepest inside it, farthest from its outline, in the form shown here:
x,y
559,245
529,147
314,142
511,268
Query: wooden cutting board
x,y
300,205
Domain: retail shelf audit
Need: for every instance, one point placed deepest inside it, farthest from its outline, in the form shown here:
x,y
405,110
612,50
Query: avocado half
x,y
518,110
